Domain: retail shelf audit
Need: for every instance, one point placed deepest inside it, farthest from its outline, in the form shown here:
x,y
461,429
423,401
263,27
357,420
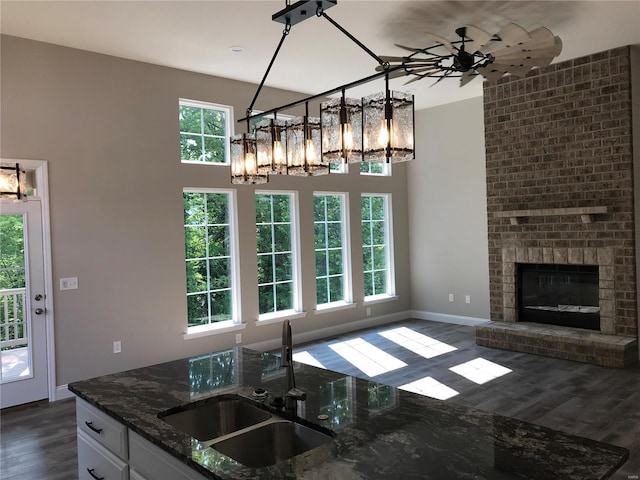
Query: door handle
x,y
39,311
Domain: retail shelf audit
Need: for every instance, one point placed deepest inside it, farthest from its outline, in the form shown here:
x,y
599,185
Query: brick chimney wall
x,y
561,138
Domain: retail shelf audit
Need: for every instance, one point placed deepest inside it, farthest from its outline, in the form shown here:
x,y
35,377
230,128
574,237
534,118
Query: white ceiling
x,y
315,57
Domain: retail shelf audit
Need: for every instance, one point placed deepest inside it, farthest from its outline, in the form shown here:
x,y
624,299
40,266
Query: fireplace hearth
x,y
565,295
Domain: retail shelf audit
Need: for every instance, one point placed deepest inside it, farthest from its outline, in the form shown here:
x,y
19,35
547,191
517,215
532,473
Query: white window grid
x,y
376,169
232,257
369,246
274,251
228,127
342,248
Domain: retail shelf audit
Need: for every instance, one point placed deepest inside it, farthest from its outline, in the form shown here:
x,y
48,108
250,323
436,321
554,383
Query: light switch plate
x,y
69,283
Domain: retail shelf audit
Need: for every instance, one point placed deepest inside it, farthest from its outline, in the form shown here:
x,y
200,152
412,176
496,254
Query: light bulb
x,y
250,164
278,153
383,134
311,152
347,133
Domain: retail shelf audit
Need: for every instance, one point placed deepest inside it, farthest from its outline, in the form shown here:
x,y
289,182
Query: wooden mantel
x,y
587,214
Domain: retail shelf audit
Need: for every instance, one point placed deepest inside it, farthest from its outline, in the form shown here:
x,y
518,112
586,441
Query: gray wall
x,y
448,212
109,129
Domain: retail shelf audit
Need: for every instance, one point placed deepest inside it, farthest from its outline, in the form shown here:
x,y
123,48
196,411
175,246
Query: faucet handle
x,y
297,394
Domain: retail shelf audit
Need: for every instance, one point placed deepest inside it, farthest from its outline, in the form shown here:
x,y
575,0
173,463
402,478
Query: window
x,y
276,236
375,168
341,167
376,246
205,129
330,248
209,237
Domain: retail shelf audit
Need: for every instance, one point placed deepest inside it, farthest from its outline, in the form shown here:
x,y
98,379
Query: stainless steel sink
x,y
270,443
241,430
218,417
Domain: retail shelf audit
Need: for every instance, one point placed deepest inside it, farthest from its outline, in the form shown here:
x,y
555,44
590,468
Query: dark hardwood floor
x,y
38,441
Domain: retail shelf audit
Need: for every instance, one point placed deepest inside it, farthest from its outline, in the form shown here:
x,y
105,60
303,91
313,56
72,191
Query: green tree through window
x,y
207,233
204,132
274,232
329,248
375,245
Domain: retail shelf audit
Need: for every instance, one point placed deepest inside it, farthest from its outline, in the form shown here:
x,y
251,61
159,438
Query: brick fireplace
x,y
560,166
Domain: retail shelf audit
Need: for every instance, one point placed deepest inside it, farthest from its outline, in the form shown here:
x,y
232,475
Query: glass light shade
x,y
244,162
304,149
397,133
13,182
271,141
341,130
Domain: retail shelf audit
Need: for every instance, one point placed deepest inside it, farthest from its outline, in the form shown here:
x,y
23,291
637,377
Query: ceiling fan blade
x,y
508,37
392,59
477,38
467,77
523,62
541,45
489,74
517,70
441,40
423,70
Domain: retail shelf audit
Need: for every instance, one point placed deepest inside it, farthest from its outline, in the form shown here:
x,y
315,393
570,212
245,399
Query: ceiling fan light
x,y
244,160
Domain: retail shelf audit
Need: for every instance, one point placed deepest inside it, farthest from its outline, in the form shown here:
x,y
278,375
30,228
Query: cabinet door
x,y
102,428
95,462
133,475
154,463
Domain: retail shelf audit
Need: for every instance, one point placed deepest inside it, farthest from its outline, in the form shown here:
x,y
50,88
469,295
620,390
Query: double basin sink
x,y
244,430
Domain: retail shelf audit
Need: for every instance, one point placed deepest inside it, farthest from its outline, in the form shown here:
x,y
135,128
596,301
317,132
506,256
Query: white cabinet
x,y
150,461
107,450
102,445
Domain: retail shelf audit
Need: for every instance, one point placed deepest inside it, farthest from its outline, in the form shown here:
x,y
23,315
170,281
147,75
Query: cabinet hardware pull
x,y
91,470
90,425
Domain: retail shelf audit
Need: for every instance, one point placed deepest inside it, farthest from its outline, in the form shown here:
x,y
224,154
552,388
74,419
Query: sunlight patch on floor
x,y
480,370
308,359
366,357
430,387
418,343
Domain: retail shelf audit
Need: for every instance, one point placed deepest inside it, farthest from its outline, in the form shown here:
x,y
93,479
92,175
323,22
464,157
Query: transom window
x,y
332,263
276,236
375,168
376,246
210,259
205,129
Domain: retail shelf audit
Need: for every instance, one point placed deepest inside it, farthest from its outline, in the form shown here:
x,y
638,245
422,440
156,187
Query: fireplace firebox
x,y
566,295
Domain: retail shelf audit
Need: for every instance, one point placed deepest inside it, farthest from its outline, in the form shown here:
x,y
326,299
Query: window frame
x,y
234,323
347,289
390,291
229,131
386,169
296,272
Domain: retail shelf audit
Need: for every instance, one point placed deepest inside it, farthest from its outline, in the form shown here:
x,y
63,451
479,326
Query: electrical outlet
x,y
467,299
451,297
368,311
238,338
117,346
69,283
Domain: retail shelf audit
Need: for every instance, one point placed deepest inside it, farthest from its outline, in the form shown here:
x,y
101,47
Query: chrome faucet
x,y
286,361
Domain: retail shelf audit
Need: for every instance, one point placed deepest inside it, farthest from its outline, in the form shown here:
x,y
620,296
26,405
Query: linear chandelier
x,y
375,128
13,182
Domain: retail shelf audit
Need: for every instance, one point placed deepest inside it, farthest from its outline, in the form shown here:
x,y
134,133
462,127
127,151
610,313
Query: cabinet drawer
x,y
102,428
97,463
150,461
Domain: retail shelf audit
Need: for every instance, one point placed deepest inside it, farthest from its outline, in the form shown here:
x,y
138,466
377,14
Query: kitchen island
x,y
380,431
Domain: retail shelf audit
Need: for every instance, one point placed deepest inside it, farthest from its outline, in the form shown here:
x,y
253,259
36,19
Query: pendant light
x,y
341,121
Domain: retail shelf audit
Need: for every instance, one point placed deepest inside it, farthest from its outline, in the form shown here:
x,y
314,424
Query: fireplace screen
x,y
566,295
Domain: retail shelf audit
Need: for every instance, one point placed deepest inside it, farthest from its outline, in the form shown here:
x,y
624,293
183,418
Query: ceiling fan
x,y
513,50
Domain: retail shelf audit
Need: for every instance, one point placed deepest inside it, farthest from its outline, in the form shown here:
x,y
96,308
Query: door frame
x,y
40,168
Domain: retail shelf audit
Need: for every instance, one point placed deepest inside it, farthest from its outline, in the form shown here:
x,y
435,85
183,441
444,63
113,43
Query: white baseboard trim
x,y
62,392
448,318
332,331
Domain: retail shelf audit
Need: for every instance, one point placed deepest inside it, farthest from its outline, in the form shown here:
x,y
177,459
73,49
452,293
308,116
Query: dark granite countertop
x,y
381,431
